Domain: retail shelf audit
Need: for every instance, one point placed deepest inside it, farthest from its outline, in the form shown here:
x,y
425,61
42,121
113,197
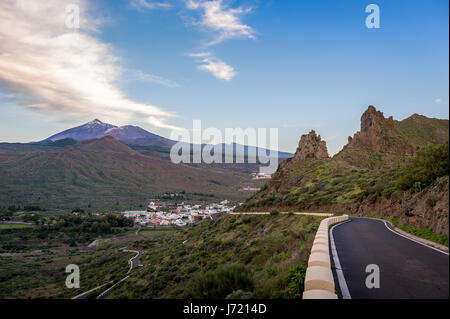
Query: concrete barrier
x,y
319,282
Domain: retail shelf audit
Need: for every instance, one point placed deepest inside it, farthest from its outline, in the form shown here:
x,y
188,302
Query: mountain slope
x,y
141,140
97,129
104,173
363,178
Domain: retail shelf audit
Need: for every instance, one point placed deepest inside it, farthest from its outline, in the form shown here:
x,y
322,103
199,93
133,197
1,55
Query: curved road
x,y
407,269
134,262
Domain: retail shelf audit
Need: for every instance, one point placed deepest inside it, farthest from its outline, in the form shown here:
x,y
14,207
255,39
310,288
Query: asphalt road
x,y
408,270
135,260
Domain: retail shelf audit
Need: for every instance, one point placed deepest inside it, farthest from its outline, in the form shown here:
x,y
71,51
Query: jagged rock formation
x,y
310,147
379,134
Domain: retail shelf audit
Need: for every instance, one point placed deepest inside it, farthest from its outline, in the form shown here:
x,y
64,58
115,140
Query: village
x,y
180,215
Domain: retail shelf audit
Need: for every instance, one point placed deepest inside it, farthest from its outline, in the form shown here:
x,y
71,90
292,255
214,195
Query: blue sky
x,y
294,65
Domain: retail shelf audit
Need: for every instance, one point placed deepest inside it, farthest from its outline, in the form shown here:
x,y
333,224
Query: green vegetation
x,y
219,283
326,183
243,256
296,280
419,130
425,233
274,212
58,230
41,273
14,226
430,163
33,257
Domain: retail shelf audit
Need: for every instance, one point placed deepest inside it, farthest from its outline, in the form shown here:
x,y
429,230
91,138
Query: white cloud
x,y
142,76
438,100
220,18
64,71
149,5
215,66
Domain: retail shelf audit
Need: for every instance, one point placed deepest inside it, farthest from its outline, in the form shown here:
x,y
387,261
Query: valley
x,y
62,201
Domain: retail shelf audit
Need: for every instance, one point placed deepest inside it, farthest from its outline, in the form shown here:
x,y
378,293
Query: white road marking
x,y
341,279
423,244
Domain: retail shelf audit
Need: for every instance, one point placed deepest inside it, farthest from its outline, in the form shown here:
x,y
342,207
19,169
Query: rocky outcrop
x,y
379,134
310,147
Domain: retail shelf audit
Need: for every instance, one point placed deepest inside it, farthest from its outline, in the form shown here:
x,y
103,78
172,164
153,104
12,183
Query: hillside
x,y
263,256
103,174
365,177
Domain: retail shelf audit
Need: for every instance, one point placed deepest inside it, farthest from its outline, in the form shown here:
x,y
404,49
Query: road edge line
x,y
412,239
343,288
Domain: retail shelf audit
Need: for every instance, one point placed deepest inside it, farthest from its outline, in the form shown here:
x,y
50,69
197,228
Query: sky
x,y
292,65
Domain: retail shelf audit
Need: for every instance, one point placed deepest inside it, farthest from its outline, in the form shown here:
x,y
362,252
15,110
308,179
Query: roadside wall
x,y
319,282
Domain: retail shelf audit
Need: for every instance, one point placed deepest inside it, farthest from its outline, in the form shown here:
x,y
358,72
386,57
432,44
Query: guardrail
x,y
319,282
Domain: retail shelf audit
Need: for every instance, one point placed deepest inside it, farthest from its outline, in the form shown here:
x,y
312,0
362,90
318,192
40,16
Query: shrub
x,y
220,283
430,163
274,212
240,294
271,272
296,280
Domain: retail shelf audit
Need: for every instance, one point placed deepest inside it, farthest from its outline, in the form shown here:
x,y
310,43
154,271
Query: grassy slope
x,y
328,182
419,130
268,246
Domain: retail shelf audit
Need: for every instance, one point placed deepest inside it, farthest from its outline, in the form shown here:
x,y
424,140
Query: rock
x,y
311,146
379,134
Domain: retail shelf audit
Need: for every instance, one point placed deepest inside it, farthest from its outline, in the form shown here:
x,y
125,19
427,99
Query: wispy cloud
x,y
438,100
64,71
213,65
149,5
220,18
142,76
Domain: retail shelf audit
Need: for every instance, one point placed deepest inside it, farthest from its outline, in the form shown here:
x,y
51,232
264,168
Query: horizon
x,y
250,145
160,65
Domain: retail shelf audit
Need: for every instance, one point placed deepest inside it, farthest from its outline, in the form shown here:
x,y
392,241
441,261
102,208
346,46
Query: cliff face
x,y
379,134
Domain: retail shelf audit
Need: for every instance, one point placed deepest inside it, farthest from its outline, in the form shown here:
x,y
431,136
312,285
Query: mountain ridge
x,y
362,179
